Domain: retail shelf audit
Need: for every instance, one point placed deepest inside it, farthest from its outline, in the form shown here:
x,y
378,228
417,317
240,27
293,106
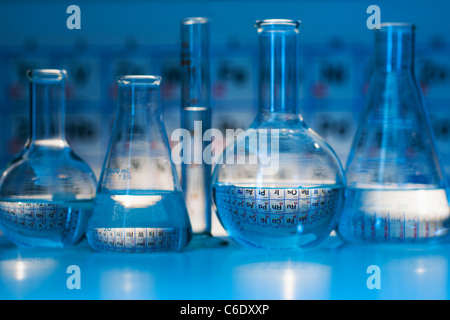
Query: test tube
x,y
196,118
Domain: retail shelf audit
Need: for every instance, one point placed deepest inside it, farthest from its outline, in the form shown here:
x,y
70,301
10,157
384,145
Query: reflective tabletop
x,y
333,270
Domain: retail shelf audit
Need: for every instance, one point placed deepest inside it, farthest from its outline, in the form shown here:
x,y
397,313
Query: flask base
x,y
402,216
138,240
44,224
207,240
278,218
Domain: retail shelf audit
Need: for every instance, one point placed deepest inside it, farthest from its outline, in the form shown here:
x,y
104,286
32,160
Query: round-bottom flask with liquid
x,y
278,185
139,205
46,192
397,191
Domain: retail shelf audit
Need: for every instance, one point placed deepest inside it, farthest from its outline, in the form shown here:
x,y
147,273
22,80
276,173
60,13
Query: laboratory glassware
x,y
278,185
139,205
397,191
196,118
46,192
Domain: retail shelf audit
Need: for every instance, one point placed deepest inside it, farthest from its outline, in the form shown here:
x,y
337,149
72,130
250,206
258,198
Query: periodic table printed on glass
x,y
44,217
380,227
289,210
137,239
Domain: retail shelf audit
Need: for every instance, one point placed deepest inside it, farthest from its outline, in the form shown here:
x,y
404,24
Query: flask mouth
x,y
396,26
278,25
394,46
194,20
139,80
47,75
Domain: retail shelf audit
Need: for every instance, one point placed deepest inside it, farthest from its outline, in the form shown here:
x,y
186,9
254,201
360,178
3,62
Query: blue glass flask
x,y
139,205
46,192
397,191
278,184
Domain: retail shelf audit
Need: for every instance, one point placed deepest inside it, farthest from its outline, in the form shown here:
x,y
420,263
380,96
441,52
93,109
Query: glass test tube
x,y
196,118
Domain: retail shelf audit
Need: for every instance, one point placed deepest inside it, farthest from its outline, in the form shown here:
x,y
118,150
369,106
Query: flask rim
x,y
47,75
397,26
194,20
148,80
278,25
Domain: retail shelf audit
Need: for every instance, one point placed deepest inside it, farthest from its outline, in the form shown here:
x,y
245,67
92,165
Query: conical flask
x,y
46,192
278,184
396,188
139,205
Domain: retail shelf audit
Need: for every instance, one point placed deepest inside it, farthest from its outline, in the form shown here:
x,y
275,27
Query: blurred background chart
x,y
143,37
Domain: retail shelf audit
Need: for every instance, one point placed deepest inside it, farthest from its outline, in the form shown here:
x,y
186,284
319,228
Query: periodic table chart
x,y
333,90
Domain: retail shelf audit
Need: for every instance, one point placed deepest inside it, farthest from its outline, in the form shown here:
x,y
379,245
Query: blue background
x,y
142,37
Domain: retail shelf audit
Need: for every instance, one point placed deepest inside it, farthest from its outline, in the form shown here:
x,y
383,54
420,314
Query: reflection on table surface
x,y
333,270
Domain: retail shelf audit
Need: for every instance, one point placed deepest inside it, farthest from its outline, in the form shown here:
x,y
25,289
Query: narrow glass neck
x,y
139,97
47,111
394,47
278,68
195,63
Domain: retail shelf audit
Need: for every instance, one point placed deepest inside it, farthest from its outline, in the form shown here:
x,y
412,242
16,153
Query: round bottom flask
x,y
278,184
46,192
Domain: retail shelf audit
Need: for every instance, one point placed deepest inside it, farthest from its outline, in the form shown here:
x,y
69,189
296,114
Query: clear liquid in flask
x,y
146,221
278,217
40,223
397,215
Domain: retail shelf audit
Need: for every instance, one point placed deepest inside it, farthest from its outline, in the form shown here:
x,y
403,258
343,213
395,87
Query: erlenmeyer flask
x,y
139,205
278,185
46,192
396,188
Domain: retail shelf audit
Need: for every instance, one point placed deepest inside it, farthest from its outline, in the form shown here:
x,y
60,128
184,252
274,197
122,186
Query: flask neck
x,y
139,98
47,111
195,63
394,47
393,78
278,68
